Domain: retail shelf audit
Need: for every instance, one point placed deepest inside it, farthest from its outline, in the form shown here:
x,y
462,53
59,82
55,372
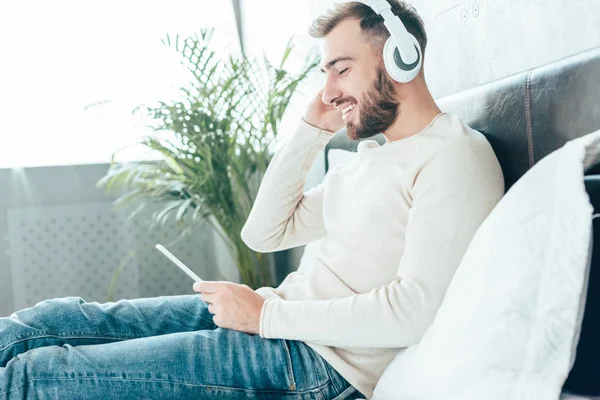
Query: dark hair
x,y
370,23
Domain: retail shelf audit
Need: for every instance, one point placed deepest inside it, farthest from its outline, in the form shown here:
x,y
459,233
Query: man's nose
x,y
330,92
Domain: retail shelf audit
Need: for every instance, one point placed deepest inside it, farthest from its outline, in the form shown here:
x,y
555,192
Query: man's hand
x,y
234,306
323,116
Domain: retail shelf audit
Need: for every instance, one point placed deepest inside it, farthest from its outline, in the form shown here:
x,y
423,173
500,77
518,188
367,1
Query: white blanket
x,y
509,324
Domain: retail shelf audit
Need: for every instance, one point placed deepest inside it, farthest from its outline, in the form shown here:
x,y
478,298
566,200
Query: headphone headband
x,y
402,53
395,27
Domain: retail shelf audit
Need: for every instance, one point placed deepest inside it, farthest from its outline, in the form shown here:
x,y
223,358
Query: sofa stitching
x,y
528,119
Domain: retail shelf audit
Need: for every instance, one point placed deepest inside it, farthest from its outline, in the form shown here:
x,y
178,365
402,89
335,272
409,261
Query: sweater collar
x,y
371,148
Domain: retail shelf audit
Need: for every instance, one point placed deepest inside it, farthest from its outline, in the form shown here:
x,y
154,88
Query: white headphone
x,y
402,54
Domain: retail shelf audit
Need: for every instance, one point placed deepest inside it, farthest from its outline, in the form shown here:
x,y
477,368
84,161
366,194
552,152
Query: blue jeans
x,y
154,348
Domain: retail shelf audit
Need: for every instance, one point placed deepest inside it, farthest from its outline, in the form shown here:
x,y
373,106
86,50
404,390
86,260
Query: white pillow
x,y
509,324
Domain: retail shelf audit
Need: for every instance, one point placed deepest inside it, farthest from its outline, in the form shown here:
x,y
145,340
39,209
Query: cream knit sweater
x,y
395,222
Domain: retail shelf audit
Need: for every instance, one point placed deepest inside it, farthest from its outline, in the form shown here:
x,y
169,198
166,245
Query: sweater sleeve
x,y
282,216
451,196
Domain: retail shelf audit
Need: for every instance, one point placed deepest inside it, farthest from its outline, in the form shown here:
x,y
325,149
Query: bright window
x,y
267,27
71,72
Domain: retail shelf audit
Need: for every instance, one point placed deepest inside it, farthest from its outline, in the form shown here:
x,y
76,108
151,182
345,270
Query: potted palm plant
x,y
221,134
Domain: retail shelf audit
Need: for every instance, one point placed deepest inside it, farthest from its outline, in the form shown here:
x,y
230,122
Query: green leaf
x,y
171,162
162,216
183,209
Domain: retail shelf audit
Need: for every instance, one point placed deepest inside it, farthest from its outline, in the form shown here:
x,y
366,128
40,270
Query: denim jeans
x,y
154,348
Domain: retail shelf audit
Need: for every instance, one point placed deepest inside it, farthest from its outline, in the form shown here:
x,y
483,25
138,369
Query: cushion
x,y
510,321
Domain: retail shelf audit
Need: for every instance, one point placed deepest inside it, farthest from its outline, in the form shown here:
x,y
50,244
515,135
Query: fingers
x,y
208,287
208,297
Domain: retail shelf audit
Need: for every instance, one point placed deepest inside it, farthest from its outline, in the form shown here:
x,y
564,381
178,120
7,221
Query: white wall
x,y
470,42
474,42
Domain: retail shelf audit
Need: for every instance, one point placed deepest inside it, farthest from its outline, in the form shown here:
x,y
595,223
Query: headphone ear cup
x,y
398,70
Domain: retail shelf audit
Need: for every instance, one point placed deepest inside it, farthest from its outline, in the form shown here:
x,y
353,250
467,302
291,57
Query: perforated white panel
x,y
73,250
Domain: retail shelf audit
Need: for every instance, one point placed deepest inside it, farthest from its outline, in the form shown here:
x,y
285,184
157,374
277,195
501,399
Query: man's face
x,y
357,83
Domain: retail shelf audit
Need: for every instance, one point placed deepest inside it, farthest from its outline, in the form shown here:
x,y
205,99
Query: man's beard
x,y
378,109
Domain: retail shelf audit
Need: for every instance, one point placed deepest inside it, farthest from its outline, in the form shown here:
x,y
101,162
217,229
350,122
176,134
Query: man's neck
x,y
414,116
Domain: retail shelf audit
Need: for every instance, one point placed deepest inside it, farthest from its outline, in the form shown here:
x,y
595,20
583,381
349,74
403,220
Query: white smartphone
x,y
178,262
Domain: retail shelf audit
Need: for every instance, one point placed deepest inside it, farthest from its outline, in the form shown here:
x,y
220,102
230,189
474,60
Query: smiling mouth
x,y
346,111
348,108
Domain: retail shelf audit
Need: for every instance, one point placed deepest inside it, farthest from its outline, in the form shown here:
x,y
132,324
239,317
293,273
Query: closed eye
x,y
343,71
